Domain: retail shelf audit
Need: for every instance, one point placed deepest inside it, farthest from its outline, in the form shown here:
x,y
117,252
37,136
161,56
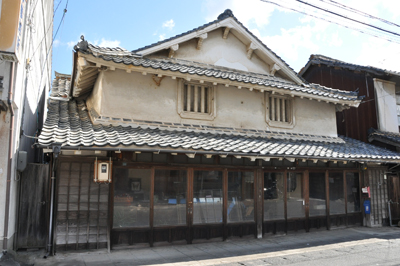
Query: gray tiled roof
x,y
384,136
61,85
325,60
193,68
68,123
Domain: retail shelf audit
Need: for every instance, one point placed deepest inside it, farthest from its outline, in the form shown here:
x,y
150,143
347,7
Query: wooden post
x,y
259,202
285,176
151,237
306,193
225,204
328,219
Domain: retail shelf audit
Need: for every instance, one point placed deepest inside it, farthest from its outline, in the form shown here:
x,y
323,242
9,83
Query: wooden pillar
x,y
225,204
285,176
151,237
259,202
328,219
306,196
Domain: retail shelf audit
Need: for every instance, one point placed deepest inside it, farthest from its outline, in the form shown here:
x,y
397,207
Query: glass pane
x,y
207,197
169,197
240,196
294,194
336,194
273,196
317,194
353,192
131,197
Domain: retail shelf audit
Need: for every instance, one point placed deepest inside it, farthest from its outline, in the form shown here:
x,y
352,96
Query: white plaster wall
x,y
230,52
134,96
386,104
29,84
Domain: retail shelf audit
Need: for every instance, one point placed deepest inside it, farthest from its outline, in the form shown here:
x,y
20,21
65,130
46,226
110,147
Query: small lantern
x,y
102,171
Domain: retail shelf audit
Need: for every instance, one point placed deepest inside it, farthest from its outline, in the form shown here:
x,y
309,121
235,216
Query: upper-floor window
x,y
279,111
196,100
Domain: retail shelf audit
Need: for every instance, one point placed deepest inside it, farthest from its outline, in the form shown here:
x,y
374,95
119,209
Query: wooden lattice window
x,y
279,111
196,100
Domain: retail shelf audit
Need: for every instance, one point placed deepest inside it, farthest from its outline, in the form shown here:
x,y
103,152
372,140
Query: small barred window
x,y
196,100
279,111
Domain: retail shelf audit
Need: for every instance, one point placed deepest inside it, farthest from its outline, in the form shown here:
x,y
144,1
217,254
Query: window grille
x,y
279,111
196,100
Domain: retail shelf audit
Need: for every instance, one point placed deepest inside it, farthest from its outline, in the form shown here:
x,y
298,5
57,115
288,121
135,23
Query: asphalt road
x,y
350,246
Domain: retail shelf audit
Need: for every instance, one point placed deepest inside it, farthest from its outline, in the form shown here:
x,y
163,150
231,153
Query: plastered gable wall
x,y
215,50
135,96
387,110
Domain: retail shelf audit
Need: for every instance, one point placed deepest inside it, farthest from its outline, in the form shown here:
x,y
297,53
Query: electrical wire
x,y
387,38
342,16
348,8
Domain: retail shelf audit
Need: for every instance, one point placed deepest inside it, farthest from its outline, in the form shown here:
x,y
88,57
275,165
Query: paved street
x,y
351,246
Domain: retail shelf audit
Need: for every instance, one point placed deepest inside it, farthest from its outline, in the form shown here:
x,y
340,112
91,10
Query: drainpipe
x,y
56,152
10,157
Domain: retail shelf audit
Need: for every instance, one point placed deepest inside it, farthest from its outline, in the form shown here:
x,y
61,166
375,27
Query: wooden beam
x,y
250,48
200,40
226,32
275,68
172,50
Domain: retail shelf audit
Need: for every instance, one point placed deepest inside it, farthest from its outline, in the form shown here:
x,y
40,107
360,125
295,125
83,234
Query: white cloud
x,y
250,11
169,24
109,43
56,43
162,37
380,53
71,44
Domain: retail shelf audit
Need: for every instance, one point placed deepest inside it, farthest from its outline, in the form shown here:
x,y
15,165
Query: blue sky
x,y
294,37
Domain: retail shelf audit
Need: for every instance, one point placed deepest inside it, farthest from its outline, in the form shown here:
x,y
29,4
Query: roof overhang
x,y
88,67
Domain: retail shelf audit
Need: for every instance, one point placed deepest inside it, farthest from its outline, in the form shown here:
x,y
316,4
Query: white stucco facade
x,y
30,88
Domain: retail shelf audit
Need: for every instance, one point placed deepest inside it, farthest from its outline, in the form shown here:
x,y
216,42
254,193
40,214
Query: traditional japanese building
x,y
208,134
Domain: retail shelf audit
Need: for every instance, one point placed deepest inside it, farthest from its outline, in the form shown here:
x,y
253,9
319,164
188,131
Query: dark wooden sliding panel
x,y
82,208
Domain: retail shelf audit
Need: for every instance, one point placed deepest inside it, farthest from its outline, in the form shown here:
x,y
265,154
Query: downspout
x,y
10,101
56,152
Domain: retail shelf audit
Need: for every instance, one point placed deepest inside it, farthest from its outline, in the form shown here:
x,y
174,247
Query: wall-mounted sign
x,y
102,171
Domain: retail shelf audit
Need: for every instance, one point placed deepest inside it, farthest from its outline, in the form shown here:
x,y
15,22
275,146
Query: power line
x,y
387,38
342,16
348,8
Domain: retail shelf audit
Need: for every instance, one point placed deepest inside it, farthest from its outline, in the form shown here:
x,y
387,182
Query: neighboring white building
x,y
25,74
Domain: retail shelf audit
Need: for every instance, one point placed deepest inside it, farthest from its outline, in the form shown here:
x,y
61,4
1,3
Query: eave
x,y
88,67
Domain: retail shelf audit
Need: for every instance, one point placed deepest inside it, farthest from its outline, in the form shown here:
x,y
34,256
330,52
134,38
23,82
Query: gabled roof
x,y
68,124
203,71
317,59
225,19
390,138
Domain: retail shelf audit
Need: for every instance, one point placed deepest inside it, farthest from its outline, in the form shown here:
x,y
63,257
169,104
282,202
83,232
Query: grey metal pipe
x,y
56,152
10,157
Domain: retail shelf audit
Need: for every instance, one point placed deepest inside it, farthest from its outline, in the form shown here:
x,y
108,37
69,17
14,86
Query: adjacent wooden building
x,y
375,121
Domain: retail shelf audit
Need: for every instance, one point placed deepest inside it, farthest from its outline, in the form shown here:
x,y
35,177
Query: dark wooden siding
x,y
32,224
353,122
82,208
